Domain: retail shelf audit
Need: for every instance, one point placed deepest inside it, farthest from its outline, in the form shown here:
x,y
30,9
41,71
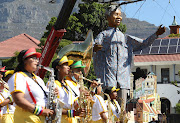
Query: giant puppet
x,y
113,52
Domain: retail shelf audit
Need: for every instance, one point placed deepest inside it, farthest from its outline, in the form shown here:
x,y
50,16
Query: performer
x,y
7,75
6,102
99,108
2,71
73,77
68,94
114,105
28,90
96,86
114,52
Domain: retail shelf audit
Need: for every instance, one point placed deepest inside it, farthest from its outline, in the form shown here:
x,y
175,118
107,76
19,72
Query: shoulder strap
x,y
71,89
30,93
23,73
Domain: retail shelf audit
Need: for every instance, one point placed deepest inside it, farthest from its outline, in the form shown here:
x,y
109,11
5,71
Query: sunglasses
x,y
34,58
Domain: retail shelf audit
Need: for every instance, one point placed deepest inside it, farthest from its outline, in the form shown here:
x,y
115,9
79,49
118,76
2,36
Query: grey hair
x,y
111,9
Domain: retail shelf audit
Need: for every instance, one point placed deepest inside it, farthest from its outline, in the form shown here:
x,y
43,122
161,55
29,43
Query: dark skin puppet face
x,y
115,18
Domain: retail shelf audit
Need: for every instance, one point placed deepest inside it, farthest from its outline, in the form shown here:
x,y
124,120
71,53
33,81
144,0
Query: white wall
x,y
169,91
157,71
171,74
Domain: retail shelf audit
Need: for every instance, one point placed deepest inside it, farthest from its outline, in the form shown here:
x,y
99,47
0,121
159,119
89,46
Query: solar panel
x,y
162,46
156,42
154,50
163,50
172,49
178,50
173,41
145,50
137,52
165,42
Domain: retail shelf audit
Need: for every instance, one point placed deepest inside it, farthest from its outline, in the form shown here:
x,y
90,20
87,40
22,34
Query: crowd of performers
x,y
24,95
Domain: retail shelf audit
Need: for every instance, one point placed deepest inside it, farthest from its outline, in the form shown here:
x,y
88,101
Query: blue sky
x,y
154,11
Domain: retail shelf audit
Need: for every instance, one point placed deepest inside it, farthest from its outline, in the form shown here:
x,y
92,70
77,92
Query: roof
x,y
167,37
155,112
145,107
146,101
157,58
17,43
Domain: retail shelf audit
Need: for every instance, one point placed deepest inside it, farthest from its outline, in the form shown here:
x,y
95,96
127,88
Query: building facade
x,y
163,59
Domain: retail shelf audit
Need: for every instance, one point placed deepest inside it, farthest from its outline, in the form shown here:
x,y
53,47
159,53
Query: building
x,y
17,43
146,86
146,108
148,105
163,59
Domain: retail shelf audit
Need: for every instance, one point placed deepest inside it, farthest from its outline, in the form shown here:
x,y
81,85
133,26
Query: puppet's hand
x,y
97,47
160,30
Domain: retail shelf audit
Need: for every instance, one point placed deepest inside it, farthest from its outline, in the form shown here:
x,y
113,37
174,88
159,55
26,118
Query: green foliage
x,y
178,107
11,63
122,27
91,74
42,42
174,35
90,16
174,83
73,28
49,26
63,43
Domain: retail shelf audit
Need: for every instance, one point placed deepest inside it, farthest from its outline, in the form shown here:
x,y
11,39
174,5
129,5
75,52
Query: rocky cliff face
x,y
26,16
32,16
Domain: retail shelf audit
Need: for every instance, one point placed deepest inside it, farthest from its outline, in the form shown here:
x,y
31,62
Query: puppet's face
x,y
115,18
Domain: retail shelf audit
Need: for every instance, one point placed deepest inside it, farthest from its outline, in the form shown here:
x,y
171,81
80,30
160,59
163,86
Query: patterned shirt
x,y
113,63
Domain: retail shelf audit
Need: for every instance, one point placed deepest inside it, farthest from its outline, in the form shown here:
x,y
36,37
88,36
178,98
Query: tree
x,y
91,15
11,63
91,74
178,107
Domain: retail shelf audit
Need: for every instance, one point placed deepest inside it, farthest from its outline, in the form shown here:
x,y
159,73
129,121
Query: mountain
x,y
26,16
141,29
32,16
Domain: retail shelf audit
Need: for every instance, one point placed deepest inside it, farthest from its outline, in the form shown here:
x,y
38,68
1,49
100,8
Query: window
x,y
165,75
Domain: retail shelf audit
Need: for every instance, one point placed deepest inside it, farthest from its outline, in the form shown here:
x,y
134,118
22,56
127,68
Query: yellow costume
x,y
115,109
8,110
67,97
17,83
98,107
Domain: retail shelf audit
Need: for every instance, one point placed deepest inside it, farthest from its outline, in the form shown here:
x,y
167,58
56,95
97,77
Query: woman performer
x,y
99,109
28,90
114,105
73,77
67,94
2,71
6,103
